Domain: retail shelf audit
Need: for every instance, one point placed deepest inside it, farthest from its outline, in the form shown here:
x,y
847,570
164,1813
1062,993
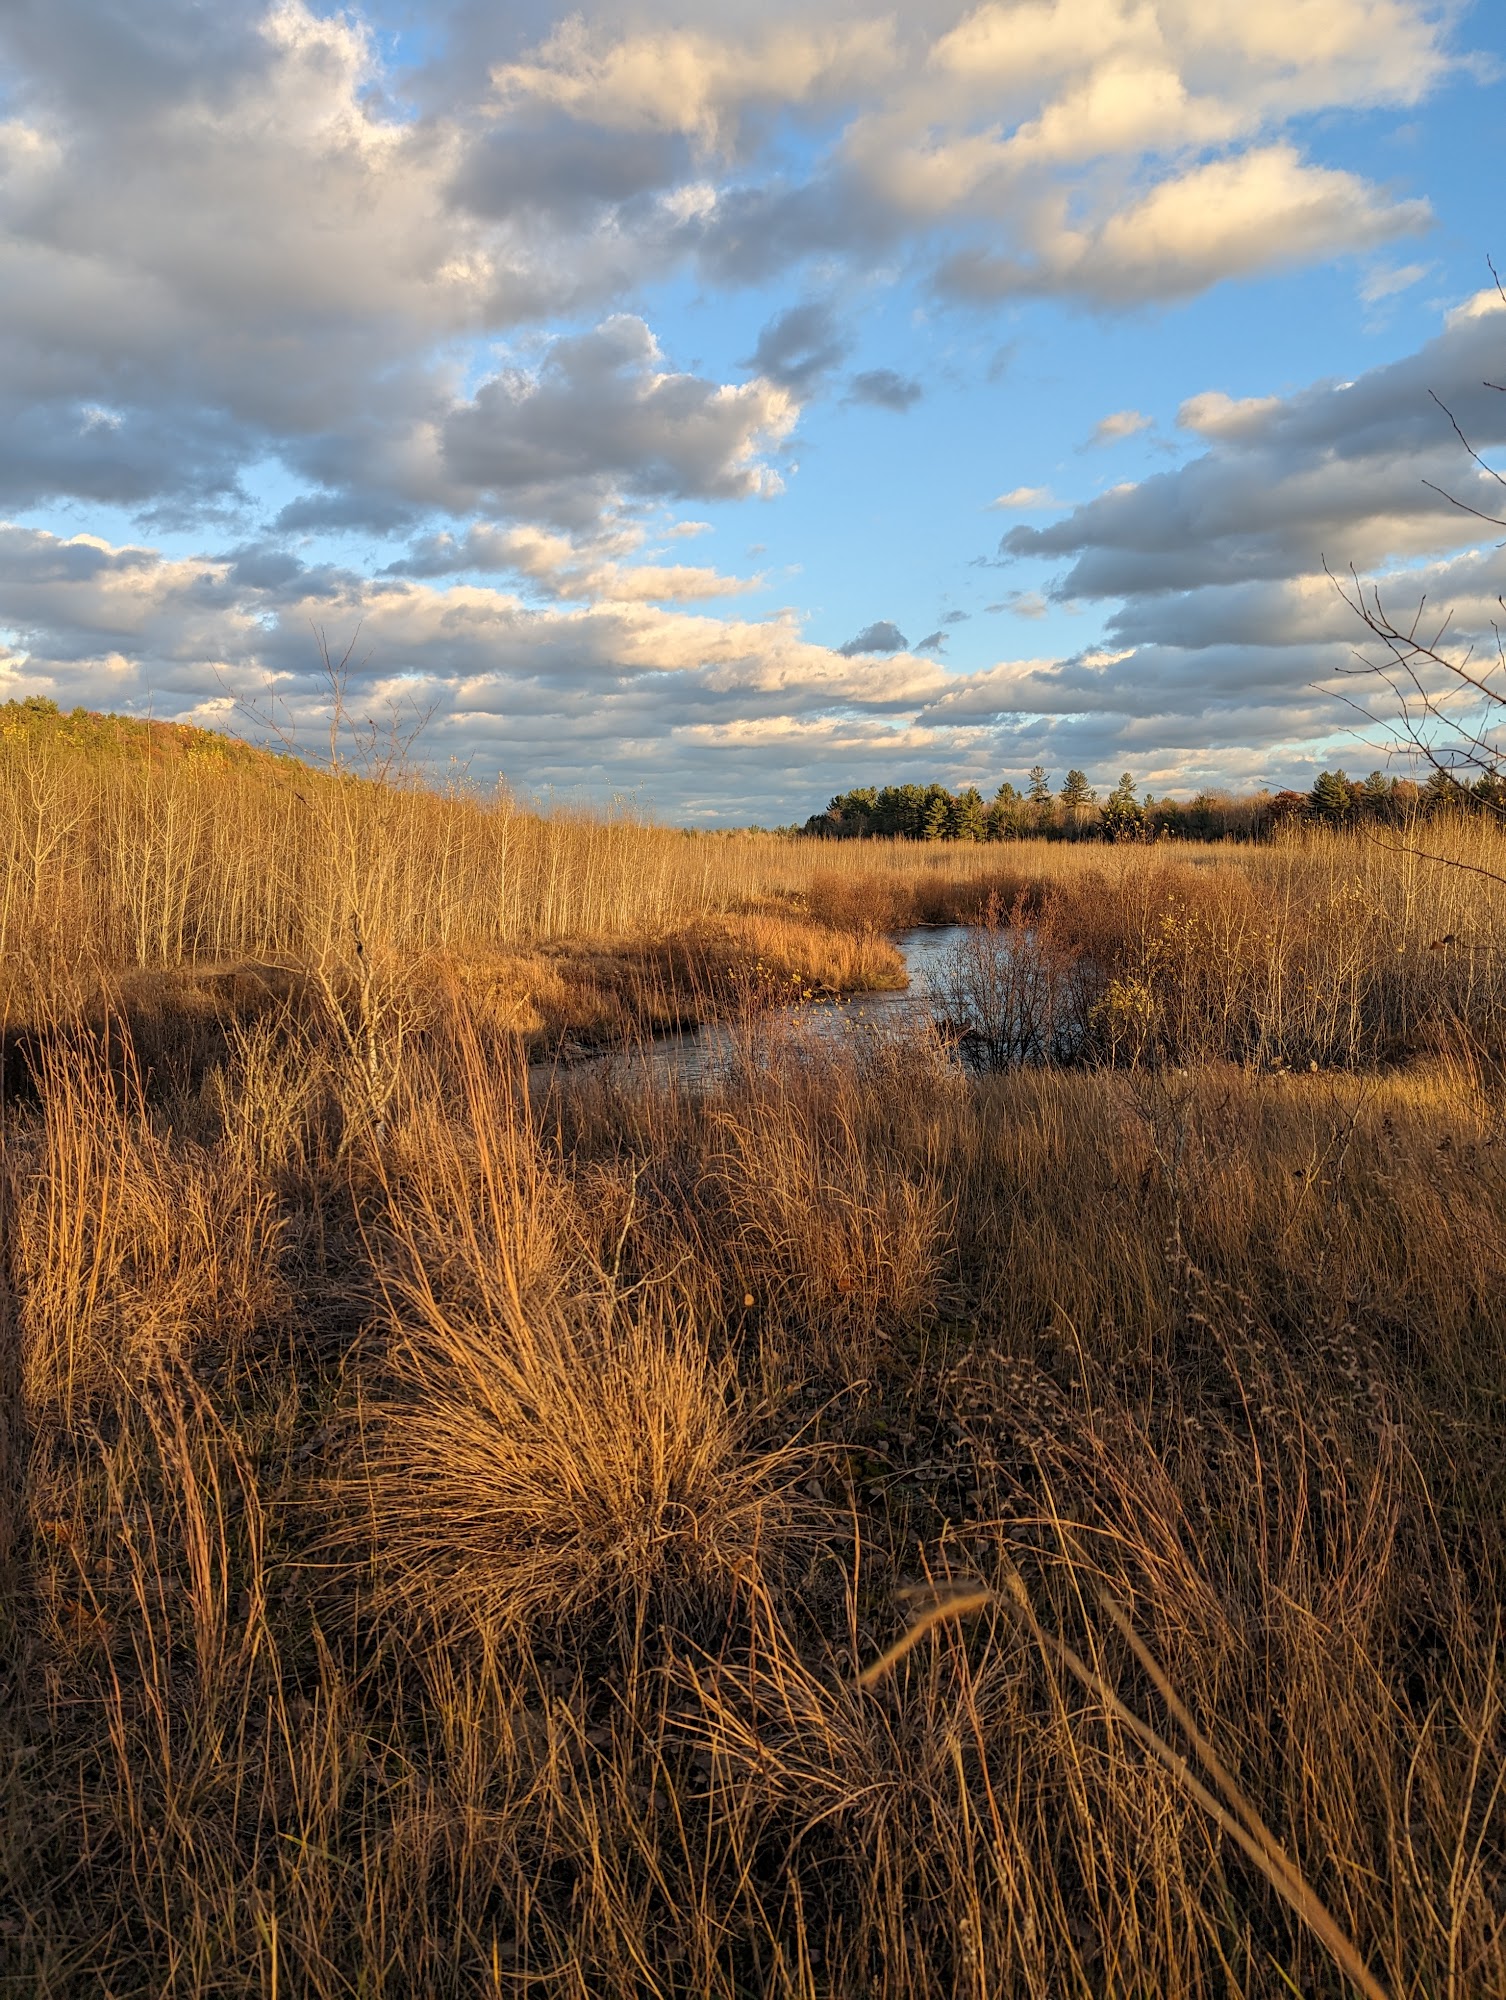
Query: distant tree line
x,y
1076,812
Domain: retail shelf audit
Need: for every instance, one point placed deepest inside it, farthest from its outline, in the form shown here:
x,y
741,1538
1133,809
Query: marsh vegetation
x,y
448,1527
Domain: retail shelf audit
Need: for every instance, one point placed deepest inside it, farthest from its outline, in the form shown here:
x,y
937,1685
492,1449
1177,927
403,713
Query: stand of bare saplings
x,y
1011,1510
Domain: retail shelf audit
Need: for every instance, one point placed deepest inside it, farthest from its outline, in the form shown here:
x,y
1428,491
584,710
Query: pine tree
x,y
1076,792
965,816
898,811
1489,793
1442,793
1123,815
1042,805
1330,796
1077,801
1009,814
1375,796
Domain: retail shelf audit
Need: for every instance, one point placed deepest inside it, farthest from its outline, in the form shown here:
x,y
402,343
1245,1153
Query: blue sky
x,y
722,407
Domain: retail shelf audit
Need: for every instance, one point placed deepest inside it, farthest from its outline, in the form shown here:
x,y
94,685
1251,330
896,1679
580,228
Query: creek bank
x,y
698,1052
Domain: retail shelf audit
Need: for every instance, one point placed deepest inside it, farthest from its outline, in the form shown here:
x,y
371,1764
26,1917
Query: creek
x,y
702,1055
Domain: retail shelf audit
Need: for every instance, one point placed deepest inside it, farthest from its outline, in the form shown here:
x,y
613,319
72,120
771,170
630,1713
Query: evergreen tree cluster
x,y
1338,798
1075,811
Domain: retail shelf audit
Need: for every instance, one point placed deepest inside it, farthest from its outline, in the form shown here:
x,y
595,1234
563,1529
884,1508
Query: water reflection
x,y
707,1054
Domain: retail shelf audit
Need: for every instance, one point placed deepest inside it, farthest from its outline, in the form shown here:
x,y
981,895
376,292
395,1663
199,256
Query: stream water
x,y
701,1055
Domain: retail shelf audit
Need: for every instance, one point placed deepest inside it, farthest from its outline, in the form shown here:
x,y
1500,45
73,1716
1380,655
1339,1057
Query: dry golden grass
x,y
484,1608
449,1527
201,885
123,1245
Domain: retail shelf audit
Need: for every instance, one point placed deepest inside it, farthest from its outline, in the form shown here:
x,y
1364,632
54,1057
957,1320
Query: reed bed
x,y
189,881
192,858
1316,952
131,861
861,1526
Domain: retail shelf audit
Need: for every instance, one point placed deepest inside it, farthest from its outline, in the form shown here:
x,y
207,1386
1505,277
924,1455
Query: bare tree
x,y
1441,701
1447,706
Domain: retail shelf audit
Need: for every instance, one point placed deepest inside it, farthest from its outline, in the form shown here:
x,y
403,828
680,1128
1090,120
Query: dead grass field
x,y
446,1533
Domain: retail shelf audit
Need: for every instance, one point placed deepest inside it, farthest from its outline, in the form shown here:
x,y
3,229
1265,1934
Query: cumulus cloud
x,y
1024,499
1122,151
1337,470
1217,219
606,693
226,239
1213,414
222,246
1221,620
560,568
239,250
236,238
693,81
600,416
883,636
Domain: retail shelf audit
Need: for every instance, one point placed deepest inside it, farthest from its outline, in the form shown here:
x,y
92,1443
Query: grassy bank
x,y
186,878
450,1538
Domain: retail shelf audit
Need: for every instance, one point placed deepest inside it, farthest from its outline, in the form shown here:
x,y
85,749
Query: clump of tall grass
x,y
131,1245
554,1476
832,1241
1316,951
546,1447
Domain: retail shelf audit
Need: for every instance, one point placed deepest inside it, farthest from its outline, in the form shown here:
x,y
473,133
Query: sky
x,y
719,407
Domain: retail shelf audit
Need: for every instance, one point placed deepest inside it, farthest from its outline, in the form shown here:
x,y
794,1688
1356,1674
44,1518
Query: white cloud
x,y
747,717
220,227
1337,470
1024,499
1491,300
601,416
692,81
1118,425
1218,219
1213,414
560,568
1260,209
1387,281
1221,622
1075,133
80,608
745,714
238,249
